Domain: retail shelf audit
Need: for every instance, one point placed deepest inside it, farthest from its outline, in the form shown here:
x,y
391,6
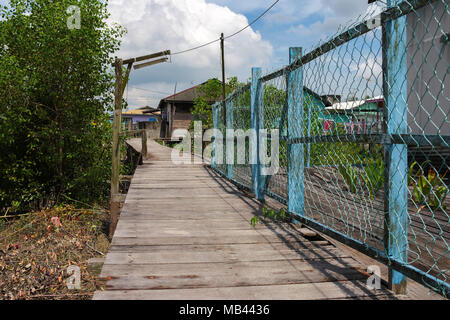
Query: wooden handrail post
x,y
144,143
114,205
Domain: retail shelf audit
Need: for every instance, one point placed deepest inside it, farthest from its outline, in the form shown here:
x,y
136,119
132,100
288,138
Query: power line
x,y
250,24
232,35
192,49
154,91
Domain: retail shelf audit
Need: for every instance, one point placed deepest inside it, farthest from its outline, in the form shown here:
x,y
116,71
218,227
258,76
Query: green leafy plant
x,y
373,176
280,215
411,175
351,177
254,221
437,198
428,188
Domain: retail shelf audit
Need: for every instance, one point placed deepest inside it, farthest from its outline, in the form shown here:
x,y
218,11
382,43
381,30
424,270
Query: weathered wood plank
x,y
185,232
211,275
213,237
218,253
308,291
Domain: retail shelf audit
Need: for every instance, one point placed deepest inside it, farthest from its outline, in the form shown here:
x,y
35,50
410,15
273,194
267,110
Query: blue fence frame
x,y
395,139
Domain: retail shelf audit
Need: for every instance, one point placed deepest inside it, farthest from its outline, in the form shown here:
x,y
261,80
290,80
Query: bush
x,y
55,84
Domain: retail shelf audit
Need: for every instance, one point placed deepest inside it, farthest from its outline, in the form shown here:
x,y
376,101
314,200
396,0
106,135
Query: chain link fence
x,y
364,132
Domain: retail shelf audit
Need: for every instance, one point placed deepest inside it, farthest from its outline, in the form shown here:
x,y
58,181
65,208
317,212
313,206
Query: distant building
x,y
428,66
361,116
143,118
176,110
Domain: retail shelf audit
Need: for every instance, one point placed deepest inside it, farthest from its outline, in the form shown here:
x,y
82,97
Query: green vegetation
x,y
374,176
209,92
254,221
55,89
351,177
274,215
369,177
280,215
428,188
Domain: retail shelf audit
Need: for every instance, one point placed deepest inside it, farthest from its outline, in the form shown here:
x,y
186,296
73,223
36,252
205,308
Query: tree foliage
x,y
210,91
54,85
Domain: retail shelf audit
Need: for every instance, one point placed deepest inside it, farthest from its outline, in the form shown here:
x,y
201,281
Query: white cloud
x,y
337,16
370,70
156,25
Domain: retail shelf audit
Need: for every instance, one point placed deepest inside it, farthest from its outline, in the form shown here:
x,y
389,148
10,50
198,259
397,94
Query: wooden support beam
x,y
151,63
147,57
125,178
114,205
119,197
144,144
116,128
127,77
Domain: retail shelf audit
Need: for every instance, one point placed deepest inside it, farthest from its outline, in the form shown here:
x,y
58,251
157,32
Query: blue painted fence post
x,y
215,112
261,138
296,156
256,94
308,145
230,138
396,155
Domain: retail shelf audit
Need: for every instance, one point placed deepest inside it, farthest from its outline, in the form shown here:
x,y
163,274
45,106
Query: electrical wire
x,y
154,91
195,48
254,21
230,36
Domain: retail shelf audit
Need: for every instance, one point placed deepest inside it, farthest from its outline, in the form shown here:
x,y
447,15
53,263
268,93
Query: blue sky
x,y
155,25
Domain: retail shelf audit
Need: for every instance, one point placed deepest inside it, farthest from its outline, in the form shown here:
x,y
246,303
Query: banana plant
x,y
350,176
373,176
430,188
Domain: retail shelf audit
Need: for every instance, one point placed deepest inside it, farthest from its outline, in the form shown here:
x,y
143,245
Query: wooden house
x,y
176,111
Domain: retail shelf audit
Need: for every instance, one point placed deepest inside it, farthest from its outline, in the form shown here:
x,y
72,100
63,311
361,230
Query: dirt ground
x,y
36,250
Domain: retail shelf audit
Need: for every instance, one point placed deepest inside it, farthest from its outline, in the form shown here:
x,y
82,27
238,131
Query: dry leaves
x,y
37,249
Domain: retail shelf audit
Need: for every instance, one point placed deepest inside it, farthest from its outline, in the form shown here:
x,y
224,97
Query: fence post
x,y
396,155
215,112
256,92
308,145
296,152
230,139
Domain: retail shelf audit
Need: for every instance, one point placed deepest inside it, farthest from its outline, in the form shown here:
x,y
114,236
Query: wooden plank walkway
x,y
184,233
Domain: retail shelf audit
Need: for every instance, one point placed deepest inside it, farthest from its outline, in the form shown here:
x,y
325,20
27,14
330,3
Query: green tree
x,y
55,84
210,91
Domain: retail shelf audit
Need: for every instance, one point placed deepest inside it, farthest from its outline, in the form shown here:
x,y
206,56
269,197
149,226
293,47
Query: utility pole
x,y
222,47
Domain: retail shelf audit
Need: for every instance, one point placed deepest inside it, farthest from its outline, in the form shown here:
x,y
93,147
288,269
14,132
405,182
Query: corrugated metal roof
x,y
350,105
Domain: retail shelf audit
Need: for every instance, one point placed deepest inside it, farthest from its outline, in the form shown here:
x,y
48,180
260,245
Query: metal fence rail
x,y
363,130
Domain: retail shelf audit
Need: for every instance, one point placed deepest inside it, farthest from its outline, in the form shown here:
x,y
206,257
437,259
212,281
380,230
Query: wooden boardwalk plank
x,y
308,291
185,233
